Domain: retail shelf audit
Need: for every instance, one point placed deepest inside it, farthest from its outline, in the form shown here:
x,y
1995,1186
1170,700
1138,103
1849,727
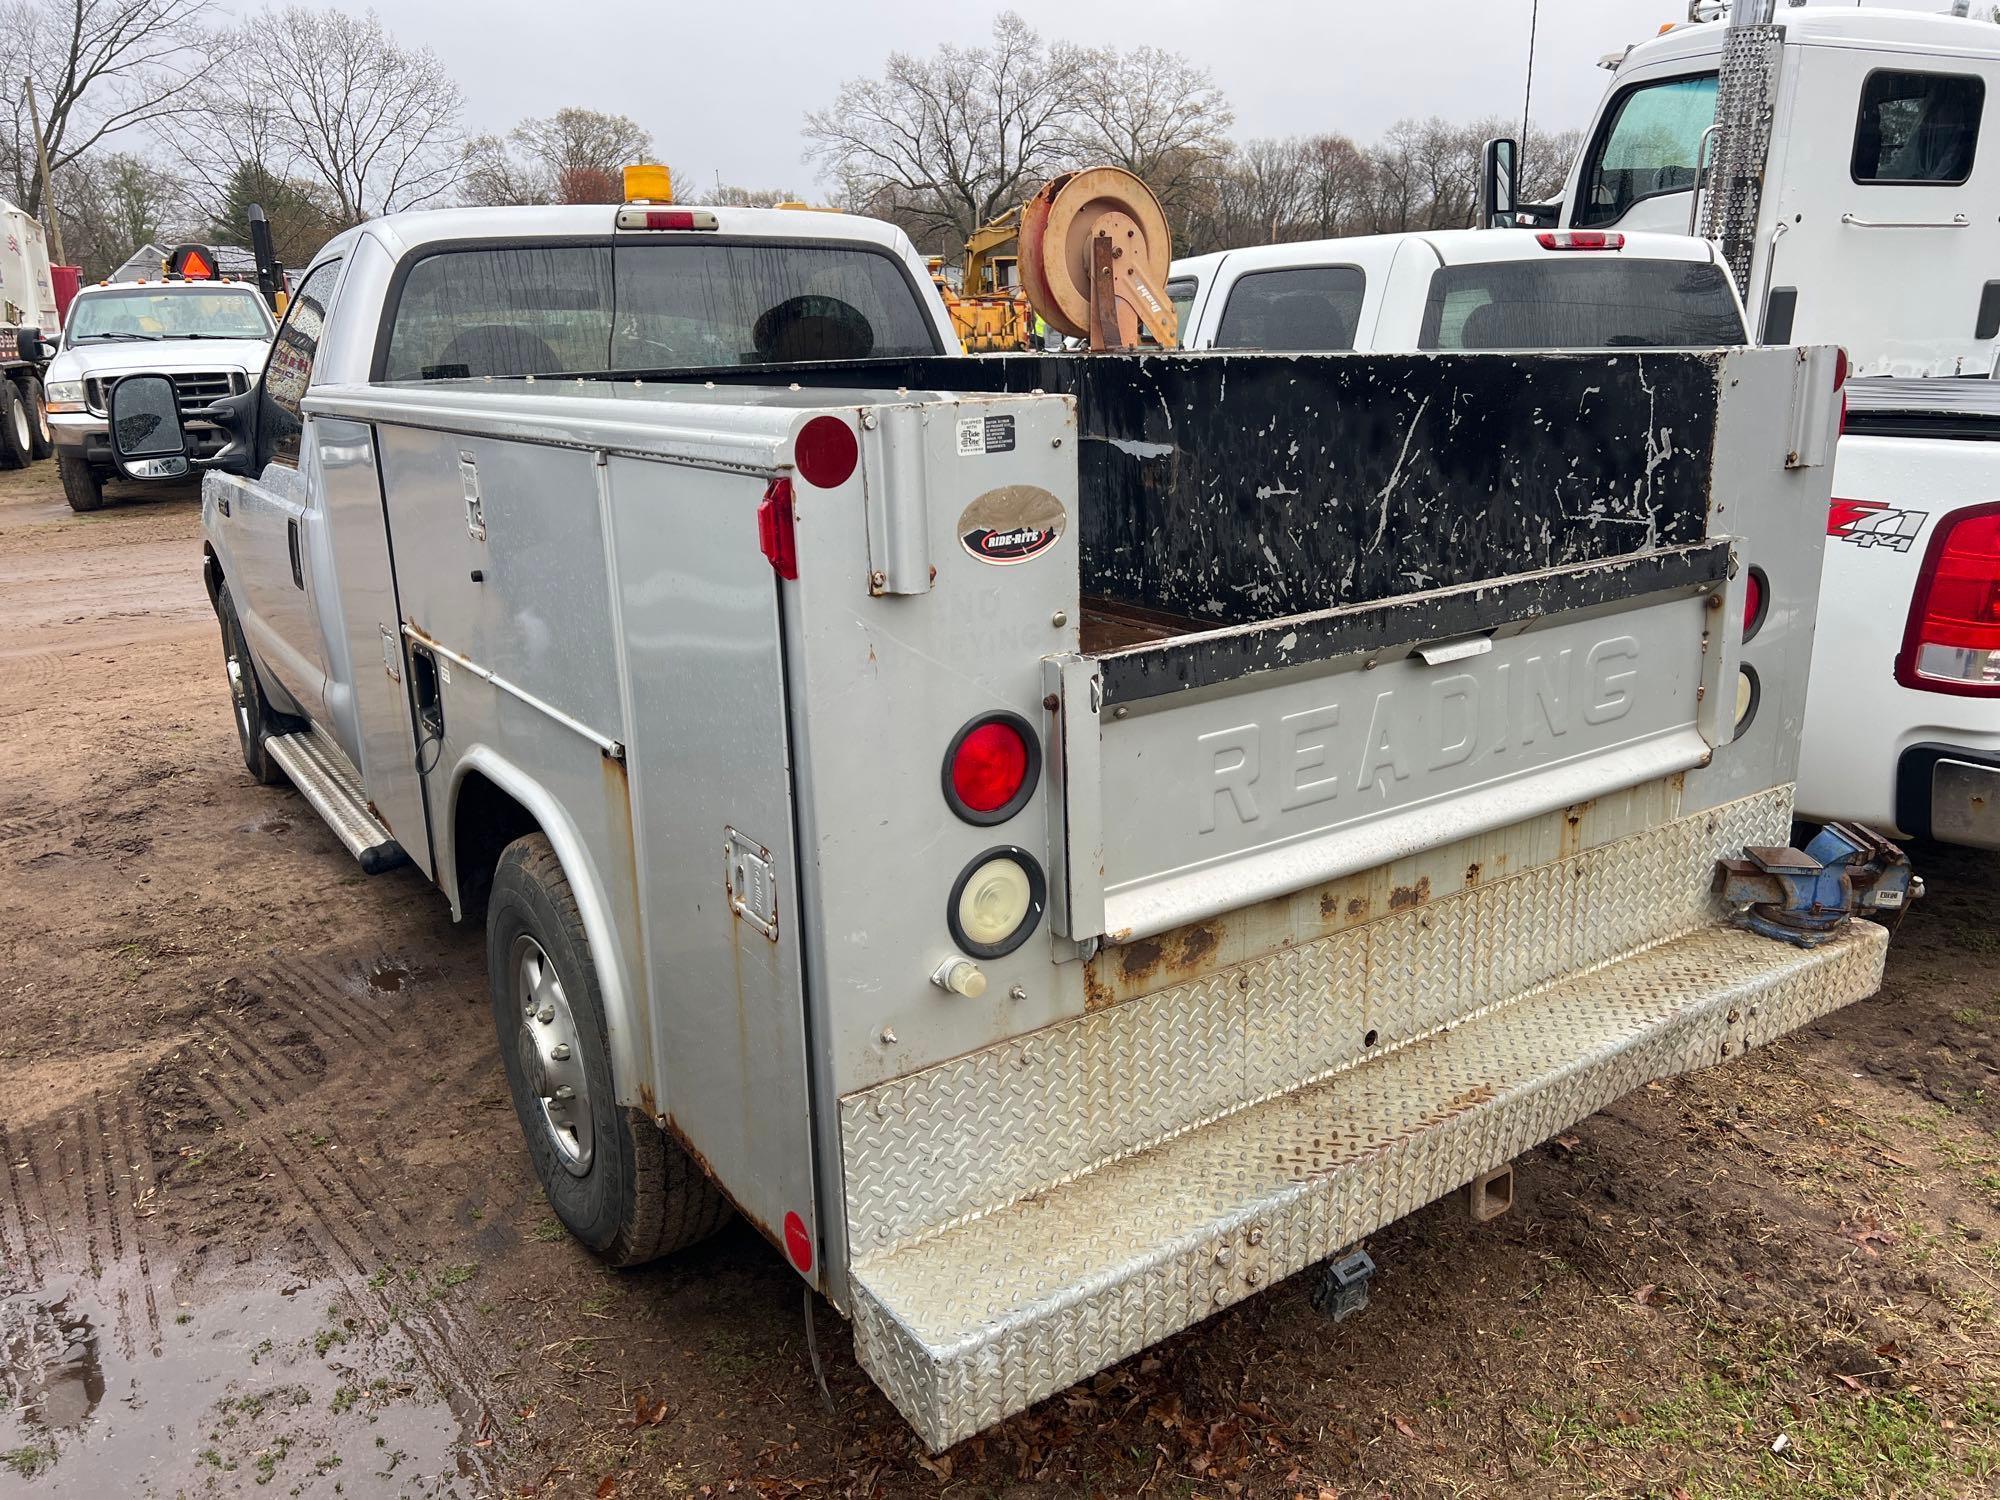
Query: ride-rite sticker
x,y
1013,523
978,435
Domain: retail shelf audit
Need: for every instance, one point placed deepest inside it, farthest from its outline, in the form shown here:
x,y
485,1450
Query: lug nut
x,y
546,1014
564,1094
560,1052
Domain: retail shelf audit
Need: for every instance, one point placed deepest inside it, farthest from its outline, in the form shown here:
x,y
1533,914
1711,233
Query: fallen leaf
x,y
1569,1143
1649,1295
1849,1381
940,1466
607,1487
647,1413
1403,1427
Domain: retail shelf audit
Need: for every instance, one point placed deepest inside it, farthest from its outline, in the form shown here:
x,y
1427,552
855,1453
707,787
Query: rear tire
x,y
82,486
17,436
41,438
613,1178
251,711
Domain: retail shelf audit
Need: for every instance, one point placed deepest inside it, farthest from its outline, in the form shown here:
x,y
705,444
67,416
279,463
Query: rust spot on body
x,y
1472,873
1410,895
1356,905
1139,960
1196,944
649,1101
1097,995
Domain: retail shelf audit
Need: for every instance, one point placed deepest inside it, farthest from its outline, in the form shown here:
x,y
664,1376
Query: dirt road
x,y
265,1225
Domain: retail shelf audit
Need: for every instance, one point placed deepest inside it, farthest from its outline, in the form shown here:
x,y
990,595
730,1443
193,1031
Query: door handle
x,y
292,535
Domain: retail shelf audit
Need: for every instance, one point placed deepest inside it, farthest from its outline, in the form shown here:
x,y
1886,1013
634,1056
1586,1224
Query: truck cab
x,y
209,337
1845,161
1460,289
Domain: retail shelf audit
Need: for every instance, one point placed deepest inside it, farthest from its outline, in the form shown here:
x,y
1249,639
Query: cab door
x,y
278,509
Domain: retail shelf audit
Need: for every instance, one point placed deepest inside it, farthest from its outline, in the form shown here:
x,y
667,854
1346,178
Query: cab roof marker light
x,y
1580,239
646,216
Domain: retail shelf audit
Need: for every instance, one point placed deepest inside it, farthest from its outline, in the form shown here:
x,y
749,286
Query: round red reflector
x,y
826,452
988,770
798,1243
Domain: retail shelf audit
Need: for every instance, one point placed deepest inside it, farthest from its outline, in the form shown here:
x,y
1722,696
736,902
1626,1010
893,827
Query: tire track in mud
x,y
345,1228
348,1206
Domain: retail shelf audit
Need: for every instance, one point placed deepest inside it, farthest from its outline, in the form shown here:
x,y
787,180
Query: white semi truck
x,y
28,316
1058,842
1844,161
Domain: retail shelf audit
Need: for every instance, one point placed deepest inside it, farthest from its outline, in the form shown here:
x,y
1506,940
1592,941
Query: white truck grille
x,y
194,388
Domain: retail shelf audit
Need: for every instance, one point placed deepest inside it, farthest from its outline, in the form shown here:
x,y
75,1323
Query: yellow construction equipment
x,y
988,307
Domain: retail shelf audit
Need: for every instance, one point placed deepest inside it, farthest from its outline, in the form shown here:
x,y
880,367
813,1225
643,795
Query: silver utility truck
x,y
1057,842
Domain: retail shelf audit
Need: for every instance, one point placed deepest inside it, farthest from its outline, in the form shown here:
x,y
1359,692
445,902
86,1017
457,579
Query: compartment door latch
x,y
753,882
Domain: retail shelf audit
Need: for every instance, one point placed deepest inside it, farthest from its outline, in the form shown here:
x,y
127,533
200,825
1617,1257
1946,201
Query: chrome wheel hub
x,y
551,1053
23,434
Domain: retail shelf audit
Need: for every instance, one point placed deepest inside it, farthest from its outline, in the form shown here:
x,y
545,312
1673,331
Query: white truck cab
x,y
1849,164
210,337
1460,289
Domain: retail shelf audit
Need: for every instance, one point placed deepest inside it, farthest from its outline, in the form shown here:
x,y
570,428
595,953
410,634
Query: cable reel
x,y
1095,251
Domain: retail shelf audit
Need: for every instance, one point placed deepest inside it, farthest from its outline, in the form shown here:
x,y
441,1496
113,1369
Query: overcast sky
x,y
724,84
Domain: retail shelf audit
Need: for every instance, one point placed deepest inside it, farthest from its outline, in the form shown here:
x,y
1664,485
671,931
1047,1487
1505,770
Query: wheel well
x,y
485,820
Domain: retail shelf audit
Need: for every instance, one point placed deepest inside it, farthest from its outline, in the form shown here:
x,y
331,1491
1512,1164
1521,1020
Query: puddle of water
x,y
386,978
268,1381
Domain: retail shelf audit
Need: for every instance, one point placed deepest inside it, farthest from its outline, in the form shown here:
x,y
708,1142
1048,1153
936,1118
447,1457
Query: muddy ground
x,y
265,1226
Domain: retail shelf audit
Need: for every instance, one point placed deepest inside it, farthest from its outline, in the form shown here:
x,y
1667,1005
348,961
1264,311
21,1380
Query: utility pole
x,y
48,182
1528,96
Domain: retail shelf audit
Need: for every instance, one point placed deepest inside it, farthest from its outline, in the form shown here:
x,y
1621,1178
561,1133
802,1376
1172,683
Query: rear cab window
x,y
1581,300
1646,146
579,309
1917,127
1297,310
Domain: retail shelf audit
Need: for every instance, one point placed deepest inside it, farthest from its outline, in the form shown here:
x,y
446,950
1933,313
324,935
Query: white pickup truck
x,y
209,337
1058,842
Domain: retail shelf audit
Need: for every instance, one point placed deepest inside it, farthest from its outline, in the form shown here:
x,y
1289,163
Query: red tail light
x,y
1580,239
1840,383
1952,644
990,768
1753,602
774,528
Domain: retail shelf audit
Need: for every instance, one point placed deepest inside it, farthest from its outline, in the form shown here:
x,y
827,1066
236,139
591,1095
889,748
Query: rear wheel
x,y
253,714
82,485
17,435
613,1178
41,438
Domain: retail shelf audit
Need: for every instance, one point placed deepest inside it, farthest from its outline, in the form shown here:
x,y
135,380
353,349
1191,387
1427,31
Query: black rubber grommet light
x,y
1028,781
1038,900
1763,602
1756,698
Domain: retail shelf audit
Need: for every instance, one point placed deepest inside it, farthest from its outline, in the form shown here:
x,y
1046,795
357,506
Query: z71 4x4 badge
x,y
1011,524
1871,523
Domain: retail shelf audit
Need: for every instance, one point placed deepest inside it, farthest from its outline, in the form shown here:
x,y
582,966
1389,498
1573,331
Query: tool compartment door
x,y
711,791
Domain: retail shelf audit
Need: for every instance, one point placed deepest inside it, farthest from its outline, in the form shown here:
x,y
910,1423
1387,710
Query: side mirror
x,y
1498,175
31,346
147,440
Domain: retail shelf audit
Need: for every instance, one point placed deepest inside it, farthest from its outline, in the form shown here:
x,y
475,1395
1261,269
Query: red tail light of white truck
x,y
1952,643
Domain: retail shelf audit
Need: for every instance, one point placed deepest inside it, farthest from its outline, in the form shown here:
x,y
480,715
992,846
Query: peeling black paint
x,y
1233,488
1398,625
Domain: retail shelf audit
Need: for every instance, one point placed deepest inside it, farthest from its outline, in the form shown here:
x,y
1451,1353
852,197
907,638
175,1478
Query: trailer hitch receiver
x,y
1805,896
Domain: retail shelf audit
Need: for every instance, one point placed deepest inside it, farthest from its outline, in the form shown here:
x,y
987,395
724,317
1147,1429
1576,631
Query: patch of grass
x,y
29,1461
452,1276
344,1398
325,1339
549,1230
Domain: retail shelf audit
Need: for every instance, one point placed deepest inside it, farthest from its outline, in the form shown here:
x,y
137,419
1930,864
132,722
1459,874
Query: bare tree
x,y
100,67
1154,113
947,142
372,124
573,156
1338,181
1545,163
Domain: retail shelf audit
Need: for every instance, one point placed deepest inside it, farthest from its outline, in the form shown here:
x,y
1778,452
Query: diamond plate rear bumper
x,y
969,1324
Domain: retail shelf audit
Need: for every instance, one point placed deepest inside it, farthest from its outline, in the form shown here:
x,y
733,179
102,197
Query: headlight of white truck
x,y
64,395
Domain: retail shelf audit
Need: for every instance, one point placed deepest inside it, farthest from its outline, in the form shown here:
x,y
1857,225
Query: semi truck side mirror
x,y
31,346
1498,176
147,439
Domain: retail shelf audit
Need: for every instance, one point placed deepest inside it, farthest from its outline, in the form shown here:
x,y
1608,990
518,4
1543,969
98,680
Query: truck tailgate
x,y
1213,770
